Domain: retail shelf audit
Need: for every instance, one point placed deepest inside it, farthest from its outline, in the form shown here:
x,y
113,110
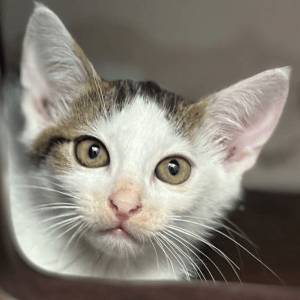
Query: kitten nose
x,y
125,202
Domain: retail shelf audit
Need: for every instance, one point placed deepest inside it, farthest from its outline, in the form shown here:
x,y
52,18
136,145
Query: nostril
x,y
135,210
113,205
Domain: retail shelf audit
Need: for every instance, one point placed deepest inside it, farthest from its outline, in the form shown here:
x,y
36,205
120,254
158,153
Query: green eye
x,y
173,170
91,153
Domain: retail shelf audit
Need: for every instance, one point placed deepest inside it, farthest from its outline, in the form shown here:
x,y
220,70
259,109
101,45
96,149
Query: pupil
x,y
94,151
173,167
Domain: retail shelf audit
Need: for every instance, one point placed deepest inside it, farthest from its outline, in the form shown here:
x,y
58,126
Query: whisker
x,y
202,253
47,208
194,265
70,228
57,226
251,254
175,255
87,227
56,204
242,235
70,241
155,254
204,241
65,222
237,248
48,189
177,237
238,231
157,239
214,248
45,175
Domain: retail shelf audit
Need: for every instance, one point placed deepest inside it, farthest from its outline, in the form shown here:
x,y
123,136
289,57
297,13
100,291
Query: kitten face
x,y
145,172
136,139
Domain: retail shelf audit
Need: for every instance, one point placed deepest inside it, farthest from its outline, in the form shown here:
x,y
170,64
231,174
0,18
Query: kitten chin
x,y
115,243
126,172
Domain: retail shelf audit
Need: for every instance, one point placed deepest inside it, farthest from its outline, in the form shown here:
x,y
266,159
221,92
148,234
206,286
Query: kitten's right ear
x,y
242,117
53,71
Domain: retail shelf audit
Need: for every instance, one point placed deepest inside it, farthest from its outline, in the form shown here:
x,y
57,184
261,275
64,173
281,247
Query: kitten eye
x,y
91,153
173,170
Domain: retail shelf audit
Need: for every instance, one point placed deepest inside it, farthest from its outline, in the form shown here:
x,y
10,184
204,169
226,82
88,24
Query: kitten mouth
x,y
118,232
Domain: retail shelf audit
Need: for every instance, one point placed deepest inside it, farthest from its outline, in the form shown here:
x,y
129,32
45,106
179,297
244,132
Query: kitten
x,y
126,178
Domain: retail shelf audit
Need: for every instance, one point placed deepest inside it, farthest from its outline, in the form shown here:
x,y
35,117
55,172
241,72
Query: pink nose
x,y
125,202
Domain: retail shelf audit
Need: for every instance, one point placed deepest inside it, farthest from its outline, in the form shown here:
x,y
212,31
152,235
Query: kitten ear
x,y
53,70
247,114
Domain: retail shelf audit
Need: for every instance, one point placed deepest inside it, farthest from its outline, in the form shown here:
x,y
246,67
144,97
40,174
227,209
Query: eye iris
x,y
94,151
173,167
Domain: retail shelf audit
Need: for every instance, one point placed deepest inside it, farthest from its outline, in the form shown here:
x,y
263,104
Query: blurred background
x,y
192,48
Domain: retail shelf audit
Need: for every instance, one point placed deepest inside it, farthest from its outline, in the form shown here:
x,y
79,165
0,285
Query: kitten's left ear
x,y
246,114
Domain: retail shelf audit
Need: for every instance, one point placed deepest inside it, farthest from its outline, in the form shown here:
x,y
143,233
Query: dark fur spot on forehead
x,y
162,98
128,89
151,87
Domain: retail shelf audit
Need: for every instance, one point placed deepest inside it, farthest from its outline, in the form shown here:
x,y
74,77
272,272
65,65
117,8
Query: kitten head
x,y
139,162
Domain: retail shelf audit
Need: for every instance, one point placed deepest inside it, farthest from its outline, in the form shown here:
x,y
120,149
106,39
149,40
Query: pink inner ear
x,y
34,82
40,107
245,147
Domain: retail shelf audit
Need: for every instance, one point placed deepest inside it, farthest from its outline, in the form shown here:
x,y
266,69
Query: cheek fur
x,y
61,158
151,219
